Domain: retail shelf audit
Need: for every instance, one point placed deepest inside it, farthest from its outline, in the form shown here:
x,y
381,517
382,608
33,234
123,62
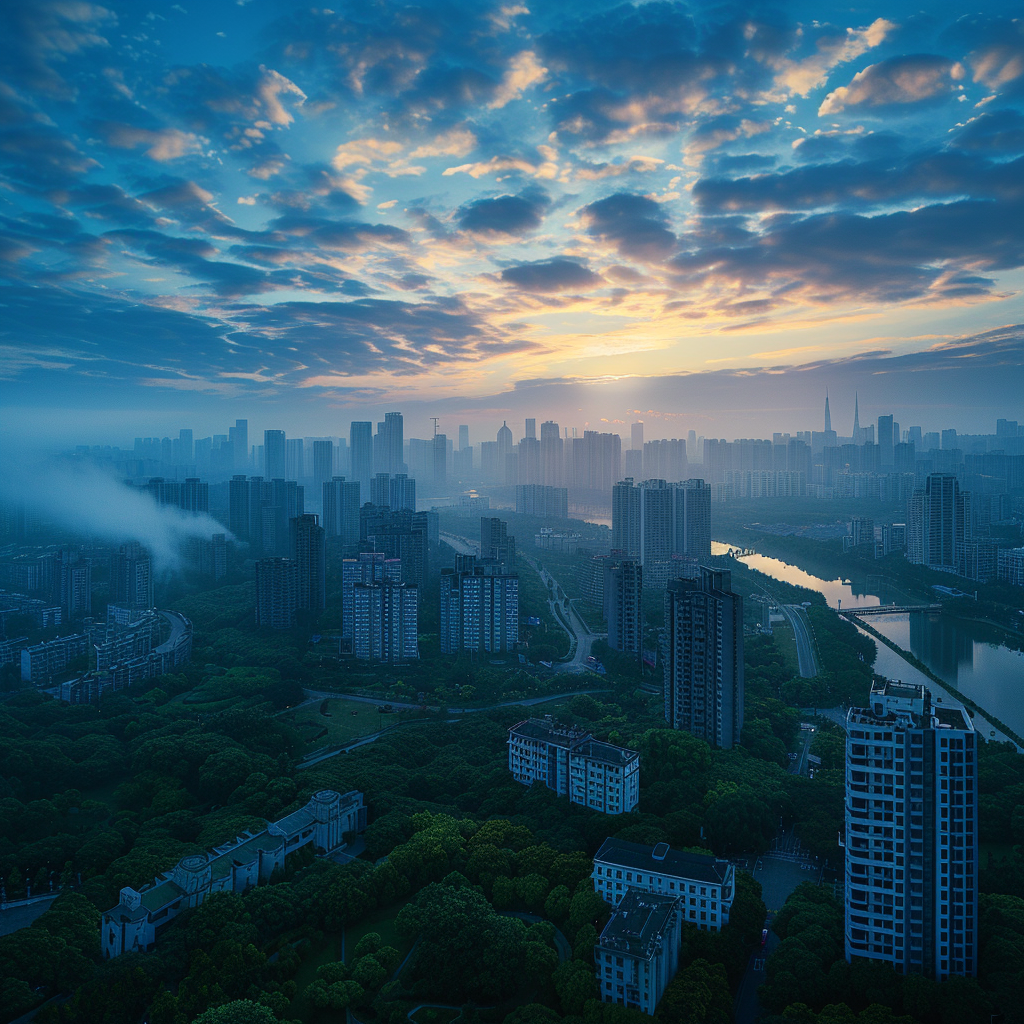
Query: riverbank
x,y
921,667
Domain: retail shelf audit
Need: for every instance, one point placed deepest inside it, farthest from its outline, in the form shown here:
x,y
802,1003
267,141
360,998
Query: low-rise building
x,y
570,761
638,952
706,885
136,922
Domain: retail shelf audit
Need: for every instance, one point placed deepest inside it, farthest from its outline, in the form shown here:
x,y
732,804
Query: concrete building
x,y
248,860
1010,566
706,885
479,609
384,621
274,459
277,592
703,657
570,761
623,609
309,549
543,501
637,954
495,543
131,577
42,661
368,567
911,832
341,509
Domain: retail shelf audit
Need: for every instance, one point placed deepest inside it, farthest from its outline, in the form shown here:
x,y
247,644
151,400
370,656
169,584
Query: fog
x,y
92,503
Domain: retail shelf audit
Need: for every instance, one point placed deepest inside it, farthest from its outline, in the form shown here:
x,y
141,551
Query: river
x,y
969,656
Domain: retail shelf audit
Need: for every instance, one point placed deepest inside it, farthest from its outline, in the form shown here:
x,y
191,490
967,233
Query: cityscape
x,y
511,513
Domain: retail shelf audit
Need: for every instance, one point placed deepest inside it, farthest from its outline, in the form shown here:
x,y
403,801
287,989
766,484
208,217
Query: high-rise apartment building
x,y
911,833
530,433
323,461
551,454
541,500
238,436
463,436
402,492
384,621
623,611
393,444
131,577
636,437
360,445
369,567
479,609
341,509
703,657
939,524
309,549
274,461
495,543
626,518
657,521
277,591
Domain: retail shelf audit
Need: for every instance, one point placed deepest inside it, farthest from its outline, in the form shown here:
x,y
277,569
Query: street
x,y
796,616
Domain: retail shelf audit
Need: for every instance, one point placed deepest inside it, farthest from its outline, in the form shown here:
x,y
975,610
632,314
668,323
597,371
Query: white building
x,y
135,923
912,832
706,885
570,761
638,952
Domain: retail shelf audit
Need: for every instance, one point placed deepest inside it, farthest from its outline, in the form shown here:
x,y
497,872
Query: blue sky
x,y
595,211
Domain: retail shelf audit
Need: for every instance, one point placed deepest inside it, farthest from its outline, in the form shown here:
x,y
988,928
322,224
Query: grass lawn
x,y
328,953
348,720
383,923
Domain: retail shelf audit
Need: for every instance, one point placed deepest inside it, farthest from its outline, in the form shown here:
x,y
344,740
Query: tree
x,y
699,992
369,943
240,1011
575,983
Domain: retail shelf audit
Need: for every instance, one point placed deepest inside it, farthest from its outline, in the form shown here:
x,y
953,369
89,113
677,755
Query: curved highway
x,y
796,616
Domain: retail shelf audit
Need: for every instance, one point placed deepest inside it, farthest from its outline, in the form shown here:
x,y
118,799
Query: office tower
x,y
637,953
380,489
885,441
393,443
384,621
626,518
828,416
855,436
703,657
277,592
691,531
294,459
238,435
949,438
323,461
636,437
528,465
531,429
623,593
368,567
401,534
440,463
542,501
904,457
551,449
479,609
939,523
309,550
495,543
504,440
911,833
664,460
402,492
341,509
194,496
131,577
634,461
600,461
463,437
361,449
284,500
274,460
1007,428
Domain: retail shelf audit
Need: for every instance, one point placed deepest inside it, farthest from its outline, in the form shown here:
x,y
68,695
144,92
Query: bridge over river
x,y
892,609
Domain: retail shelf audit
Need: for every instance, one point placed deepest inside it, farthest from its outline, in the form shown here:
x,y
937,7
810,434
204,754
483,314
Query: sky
x,y
702,216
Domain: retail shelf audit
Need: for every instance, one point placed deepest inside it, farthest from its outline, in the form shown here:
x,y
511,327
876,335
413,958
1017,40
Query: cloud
x,y
524,71
163,145
633,225
894,83
998,131
506,215
554,275
1001,64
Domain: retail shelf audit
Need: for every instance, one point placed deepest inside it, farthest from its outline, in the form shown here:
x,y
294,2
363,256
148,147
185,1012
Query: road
x,y
796,616
799,766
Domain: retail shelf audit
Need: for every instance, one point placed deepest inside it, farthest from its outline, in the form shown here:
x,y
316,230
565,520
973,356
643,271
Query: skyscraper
x,y
626,518
239,438
384,616
703,657
911,832
393,450
531,428
274,462
479,609
361,453
369,567
463,437
310,553
238,506
939,523
828,416
856,438
323,461
440,463
341,509
886,441
402,492
550,454
623,586
131,577
504,440
636,437
277,585
495,543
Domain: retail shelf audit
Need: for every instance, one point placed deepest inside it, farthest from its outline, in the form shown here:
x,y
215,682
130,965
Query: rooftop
x,y
639,923
548,732
607,752
160,895
697,866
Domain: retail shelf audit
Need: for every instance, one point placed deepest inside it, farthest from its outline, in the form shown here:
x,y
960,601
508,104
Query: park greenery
x,y
467,889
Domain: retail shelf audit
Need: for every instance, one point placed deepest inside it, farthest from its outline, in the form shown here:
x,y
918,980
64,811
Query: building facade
x,y
479,609
911,832
703,657
705,885
384,621
570,761
637,954
623,608
277,592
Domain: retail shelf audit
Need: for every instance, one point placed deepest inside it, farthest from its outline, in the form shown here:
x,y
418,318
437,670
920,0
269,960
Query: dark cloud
x,y
997,132
896,83
506,215
554,275
635,226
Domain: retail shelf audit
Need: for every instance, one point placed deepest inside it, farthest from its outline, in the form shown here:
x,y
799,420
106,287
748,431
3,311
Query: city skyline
x,y
492,211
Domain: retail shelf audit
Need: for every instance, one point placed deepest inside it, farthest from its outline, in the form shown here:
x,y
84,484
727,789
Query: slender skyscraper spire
x,y
828,415
856,418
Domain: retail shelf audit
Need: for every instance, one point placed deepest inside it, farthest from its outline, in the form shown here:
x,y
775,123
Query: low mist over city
x,y
511,513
